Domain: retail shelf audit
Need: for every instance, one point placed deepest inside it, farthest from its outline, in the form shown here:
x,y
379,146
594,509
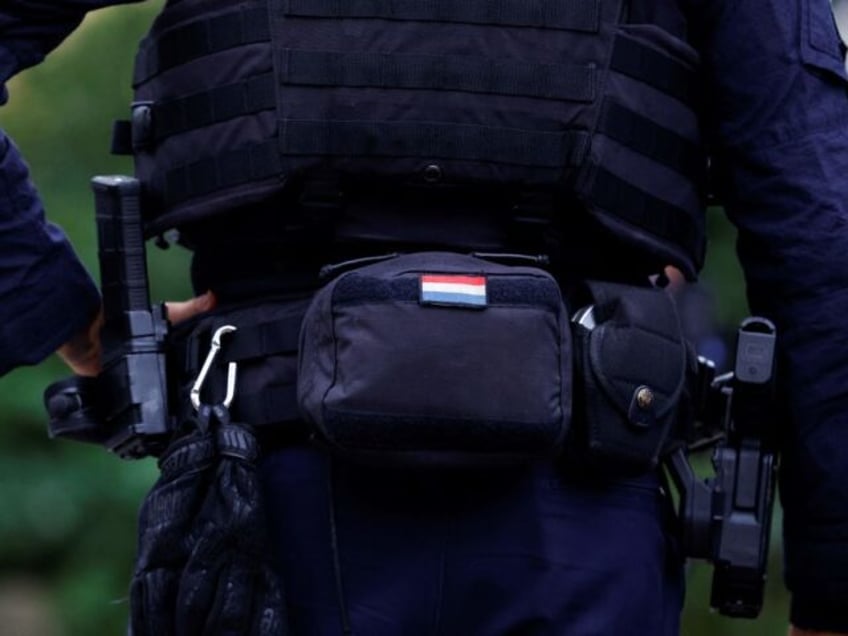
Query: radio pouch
x,y
438,357
632,365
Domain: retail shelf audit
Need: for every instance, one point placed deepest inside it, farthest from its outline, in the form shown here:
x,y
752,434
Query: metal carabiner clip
x,y
207,364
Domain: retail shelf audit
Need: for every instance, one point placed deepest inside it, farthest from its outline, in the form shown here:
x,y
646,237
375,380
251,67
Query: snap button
x,y
432,173
644,397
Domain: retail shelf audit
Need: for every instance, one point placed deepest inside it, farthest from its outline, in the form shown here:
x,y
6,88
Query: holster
x,y
631,361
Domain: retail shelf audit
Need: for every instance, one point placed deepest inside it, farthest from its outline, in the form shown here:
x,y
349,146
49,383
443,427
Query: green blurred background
x,y
67,512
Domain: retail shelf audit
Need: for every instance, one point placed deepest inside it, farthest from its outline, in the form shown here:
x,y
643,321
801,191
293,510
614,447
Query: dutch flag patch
x,y
453,290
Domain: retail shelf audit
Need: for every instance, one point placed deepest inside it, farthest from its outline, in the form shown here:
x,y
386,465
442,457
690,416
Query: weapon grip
x,y
123,262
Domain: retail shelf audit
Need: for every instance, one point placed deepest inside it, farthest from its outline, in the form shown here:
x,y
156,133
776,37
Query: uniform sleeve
x,y
778,110
30,29
46,295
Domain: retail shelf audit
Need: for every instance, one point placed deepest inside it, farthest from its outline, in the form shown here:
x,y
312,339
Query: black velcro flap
x,y
638,349
633,369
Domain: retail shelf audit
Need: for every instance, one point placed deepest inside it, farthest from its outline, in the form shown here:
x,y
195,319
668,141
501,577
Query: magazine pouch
x,y
438,358
631,369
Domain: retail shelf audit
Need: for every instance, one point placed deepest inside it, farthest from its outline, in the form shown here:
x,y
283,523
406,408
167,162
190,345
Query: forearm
x,y
30,29
46,295
777,92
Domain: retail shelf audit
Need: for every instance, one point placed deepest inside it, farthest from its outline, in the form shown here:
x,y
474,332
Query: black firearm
x,y
727,519
126,407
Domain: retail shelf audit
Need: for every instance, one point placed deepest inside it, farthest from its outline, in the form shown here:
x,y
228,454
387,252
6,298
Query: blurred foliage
x,y
69,511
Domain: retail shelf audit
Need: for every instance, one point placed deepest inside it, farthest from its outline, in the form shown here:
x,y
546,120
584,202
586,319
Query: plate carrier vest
x,y
233,99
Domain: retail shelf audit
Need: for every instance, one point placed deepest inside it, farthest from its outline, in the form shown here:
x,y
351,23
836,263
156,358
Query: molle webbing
x,y
525,92
430,72
645,211
201,38
378,139
582,15
650,139
648,65
222,103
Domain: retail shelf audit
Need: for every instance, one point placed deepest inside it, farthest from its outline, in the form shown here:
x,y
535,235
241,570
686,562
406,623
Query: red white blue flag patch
x,y
453,290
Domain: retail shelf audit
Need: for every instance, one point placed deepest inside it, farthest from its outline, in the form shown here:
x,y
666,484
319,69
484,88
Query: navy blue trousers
x,y
528,551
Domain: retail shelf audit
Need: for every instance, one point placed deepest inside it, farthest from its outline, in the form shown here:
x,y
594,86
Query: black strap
x,y
121,137
247,164
430,72
272,404
256,162
654,68
248,342
200,38
569,15
645,211
652,140
266,339
434,140
220,104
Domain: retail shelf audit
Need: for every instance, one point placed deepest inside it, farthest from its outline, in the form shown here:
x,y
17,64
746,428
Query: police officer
x,y
536,549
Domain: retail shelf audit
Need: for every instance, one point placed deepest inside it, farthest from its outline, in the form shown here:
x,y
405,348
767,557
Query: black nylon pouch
x,y
632,366
438,358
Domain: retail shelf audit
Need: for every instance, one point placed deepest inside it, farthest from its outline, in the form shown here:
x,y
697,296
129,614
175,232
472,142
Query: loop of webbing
x,y
462,142
220,104
571,82
261,161
645,211
200,38
583,15
654,68
648,138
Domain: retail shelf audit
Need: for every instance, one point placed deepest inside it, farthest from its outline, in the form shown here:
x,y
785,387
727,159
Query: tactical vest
x,y
234,100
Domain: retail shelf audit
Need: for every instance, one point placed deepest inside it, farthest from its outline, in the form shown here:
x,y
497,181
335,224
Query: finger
x,y
183,310
82,352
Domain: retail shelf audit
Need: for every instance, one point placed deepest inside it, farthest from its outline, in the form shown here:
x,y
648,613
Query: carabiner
x,y
207,364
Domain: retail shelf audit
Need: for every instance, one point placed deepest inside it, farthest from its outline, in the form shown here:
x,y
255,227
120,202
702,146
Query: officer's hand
x,y
795,631
82,352
180,311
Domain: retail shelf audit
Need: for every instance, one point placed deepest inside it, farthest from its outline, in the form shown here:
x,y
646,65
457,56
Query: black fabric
x,y
648,65
386,90
652,140
272,405
121,137
200,38
631,372
645,211
263,340
549,14
391,361
237,167
570,82
210,107
436,140
360,289
202,567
